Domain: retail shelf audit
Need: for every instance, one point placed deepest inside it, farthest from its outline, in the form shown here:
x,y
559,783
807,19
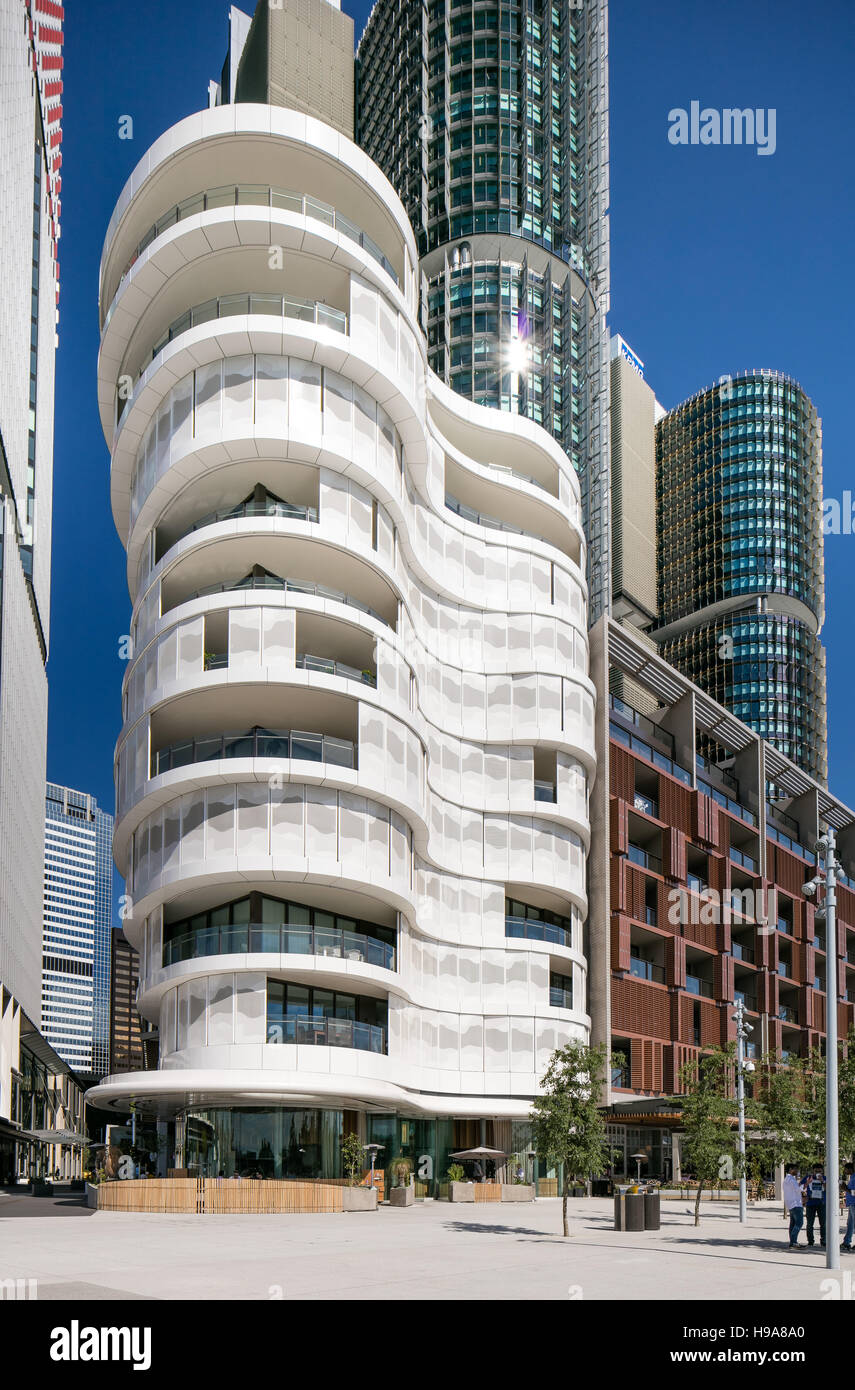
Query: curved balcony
x,y
256,743
325,666
268,506
281,306
327,1032
274,584
533,930
263,938
256,195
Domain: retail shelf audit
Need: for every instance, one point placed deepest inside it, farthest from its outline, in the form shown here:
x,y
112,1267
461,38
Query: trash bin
x,y
651,1209
629,1210
635,1211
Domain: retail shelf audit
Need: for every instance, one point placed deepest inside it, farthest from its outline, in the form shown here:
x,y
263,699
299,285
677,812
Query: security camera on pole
x,y
828,911
743,1028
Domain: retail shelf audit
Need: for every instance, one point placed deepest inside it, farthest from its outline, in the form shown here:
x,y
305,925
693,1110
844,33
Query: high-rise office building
x,y
491,122
740,573
126,1045
30,159
353,772
77,925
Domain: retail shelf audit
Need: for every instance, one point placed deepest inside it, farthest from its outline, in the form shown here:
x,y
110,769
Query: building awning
x,y
60,1136
10,1131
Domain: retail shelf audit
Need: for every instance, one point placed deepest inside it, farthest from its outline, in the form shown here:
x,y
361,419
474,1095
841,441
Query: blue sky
x,y
721,260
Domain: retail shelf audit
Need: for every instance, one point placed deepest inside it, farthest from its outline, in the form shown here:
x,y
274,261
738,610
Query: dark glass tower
x,y
491,122
740,556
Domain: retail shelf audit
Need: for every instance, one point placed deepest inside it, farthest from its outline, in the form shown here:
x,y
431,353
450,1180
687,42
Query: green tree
x,y
569,1129
708,1106
784,1115
352,1158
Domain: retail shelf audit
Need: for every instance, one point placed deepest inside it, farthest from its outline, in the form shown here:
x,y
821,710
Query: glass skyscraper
x,y
491,123
77,929
740,556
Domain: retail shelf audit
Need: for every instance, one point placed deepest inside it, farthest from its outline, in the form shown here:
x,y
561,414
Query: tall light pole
x,y
826,846
743,1028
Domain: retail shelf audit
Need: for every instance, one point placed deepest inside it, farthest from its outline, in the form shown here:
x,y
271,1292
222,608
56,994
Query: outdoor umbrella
x,y
481,1152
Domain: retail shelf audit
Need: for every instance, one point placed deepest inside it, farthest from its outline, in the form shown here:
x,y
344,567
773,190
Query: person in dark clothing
x,y
814,1189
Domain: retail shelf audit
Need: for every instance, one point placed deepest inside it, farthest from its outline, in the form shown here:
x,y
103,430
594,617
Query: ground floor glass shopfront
x,y
292,1144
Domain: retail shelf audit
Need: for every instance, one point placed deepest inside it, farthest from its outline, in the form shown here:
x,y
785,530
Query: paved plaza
x,y
434,1251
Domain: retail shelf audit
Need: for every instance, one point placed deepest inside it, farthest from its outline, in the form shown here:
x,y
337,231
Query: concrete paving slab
x,y
433,1251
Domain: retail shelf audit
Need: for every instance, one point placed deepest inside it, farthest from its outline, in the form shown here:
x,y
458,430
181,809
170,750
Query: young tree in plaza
x,y
569,1128
709,1110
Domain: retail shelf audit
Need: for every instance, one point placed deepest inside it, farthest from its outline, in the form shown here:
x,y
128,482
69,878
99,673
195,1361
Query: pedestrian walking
x,y
849,1198
813,1187
793,1201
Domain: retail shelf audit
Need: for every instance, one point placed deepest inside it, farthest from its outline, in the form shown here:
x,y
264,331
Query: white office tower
x,y
77,929
30,134
352,778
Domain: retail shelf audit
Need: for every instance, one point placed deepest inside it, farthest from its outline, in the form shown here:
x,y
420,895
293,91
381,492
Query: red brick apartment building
x,y
700,831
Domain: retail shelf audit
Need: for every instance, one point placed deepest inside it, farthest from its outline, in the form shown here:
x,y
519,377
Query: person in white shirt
x,y
793,1202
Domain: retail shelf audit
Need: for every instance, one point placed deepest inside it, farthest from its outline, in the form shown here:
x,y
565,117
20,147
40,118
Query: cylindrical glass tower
x,y
740,556
491,122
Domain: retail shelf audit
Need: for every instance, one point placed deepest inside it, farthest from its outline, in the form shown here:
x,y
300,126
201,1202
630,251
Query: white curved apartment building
x,y
352,777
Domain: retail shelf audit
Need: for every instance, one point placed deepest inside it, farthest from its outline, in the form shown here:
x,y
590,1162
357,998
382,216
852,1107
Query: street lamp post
x,y
832,1163
743,1028
826,877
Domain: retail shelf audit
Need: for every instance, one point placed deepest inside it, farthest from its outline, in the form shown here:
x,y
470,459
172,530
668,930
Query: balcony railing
x,y
544,791
560,998
327,667
695,985
784,969
646,804
493,523
620,1078
256,743
228,305
327,1032
743,860
650,916
786,841
638,745
255,195
741,952
288,586
533,930
696,883
727,802
787,1014
266,938
636,855
646,970
269,507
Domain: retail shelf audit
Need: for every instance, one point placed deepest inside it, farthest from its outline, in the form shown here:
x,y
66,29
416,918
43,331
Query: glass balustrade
x,y
262,938
535,930
255,195
227,306
327,1032
291,586
256,743
325,666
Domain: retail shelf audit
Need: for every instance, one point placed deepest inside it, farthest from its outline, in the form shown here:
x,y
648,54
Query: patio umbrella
x,y
480,1152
